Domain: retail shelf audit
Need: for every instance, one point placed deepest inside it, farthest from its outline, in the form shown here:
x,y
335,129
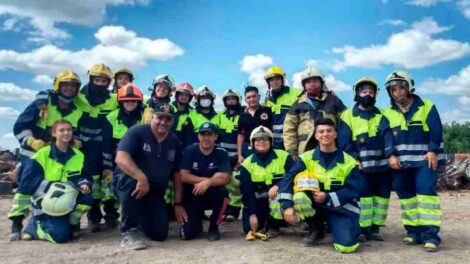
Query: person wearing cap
x,y
418,152
253,116
33,131
364,133
326,184
280,99
182,125
315,102
161,88
122,76
96,102
259,175
117,123
205,171
147,159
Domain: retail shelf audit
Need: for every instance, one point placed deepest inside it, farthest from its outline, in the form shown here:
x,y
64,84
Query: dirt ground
x,y
104,247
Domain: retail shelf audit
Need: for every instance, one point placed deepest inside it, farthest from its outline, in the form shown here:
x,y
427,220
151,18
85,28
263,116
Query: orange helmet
x,y
130,92
185,87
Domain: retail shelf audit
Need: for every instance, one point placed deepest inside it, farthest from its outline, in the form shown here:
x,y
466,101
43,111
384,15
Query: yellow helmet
x,y
400,78
100,70
124,70
366,80
260,132
274,71
66,76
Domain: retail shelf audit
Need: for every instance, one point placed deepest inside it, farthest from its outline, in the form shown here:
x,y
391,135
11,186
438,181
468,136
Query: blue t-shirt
x,y
157,160
203,165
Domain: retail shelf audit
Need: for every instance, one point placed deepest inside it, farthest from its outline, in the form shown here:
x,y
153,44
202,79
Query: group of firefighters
x,y
299,156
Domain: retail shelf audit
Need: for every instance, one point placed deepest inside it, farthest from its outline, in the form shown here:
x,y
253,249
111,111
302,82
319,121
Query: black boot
x,y
16,228
375,233
316,232
213,233
111,216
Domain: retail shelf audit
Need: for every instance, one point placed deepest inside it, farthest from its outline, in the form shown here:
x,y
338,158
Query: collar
x,y
365,114
417,102
186,109
60,156
284,90
55,102
338,159
271,156
322,97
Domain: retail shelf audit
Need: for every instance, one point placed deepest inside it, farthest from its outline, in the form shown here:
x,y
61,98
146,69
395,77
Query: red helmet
x,y
185,87
130,92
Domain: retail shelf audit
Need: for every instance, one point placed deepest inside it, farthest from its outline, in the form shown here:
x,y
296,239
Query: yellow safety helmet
x,y
66,76
124,70
306,181
100,70
260,132
400,78
274,71
363,81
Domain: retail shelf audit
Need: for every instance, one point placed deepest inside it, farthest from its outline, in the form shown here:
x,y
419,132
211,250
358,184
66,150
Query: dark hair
x,y
326,122
251,89
56,124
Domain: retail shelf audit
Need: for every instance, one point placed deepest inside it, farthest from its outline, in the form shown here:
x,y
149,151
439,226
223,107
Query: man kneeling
x,y
335,200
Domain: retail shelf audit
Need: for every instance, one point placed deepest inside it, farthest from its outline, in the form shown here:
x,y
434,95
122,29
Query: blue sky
x,y
227,44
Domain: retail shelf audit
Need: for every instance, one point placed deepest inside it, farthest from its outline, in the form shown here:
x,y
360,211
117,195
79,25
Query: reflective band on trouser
x,y
97,192
106,192
365,219
346,249
276,210
78,212
170,193
234,194
409,211
380,209
374,163
20,205
429,210
303,205
43,235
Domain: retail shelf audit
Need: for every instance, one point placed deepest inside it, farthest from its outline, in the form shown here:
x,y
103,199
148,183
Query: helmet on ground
x,y
400,78
130,92
274,71
100,70
60,199
365,81
261,132
66,76
124,70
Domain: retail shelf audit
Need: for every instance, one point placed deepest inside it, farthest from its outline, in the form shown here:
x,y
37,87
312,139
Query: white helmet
x,y
312,72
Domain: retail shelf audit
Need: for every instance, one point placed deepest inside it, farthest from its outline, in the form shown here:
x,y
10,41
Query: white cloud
x,y
412,48
456,115
9,112
117,47
8,141
11,92
256,66
458,84
44,15
464,6
393,22
43,79
425,3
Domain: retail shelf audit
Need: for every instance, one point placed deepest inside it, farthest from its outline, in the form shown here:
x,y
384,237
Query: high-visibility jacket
x,y
182,126
198,118
228,133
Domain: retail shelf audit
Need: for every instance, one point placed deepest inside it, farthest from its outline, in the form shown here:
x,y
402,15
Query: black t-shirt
x,y
157,160
247,123
202,165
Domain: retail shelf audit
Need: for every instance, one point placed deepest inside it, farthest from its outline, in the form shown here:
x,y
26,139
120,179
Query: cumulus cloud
x,y
9,112
393,22
425,3
415,47
44,15
464,6
11,92
8,141
43,79
458,84
256,66
116,47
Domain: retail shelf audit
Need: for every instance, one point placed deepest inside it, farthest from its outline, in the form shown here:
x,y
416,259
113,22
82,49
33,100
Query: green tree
x,y
457,137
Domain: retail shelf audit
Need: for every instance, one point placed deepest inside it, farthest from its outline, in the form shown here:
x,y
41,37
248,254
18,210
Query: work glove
x,y
35,144
107,175
147,115
77,143
43,113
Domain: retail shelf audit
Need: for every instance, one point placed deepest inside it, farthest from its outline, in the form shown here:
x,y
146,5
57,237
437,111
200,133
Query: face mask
x,y
366,101
205,103
99,90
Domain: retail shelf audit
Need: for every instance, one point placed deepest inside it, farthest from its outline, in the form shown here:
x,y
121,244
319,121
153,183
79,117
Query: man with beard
x,y
97,102
32,129
418,151
316,102
161,89
204,172
117,123
147,158
364,133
